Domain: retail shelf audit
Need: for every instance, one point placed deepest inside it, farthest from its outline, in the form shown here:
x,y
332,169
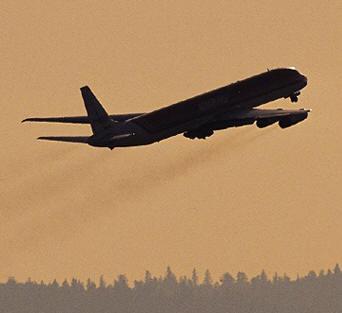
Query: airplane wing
x,y
264,113
262,117
79,119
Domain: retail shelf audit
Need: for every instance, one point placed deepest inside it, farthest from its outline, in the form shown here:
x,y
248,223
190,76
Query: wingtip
x,y
30,119
44,138
85,87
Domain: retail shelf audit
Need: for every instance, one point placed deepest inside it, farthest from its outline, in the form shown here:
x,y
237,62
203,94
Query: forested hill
x,y
314,293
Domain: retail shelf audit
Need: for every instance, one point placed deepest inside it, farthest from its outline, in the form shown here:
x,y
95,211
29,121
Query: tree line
x,y
314,293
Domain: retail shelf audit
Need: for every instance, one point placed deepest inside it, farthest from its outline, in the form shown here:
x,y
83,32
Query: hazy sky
x,y
244,200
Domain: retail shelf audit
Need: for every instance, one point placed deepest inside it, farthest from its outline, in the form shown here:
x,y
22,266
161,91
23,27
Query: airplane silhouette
x,y
198,117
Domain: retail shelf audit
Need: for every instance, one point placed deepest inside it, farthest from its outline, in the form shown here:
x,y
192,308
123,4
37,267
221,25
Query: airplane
x,y
199,117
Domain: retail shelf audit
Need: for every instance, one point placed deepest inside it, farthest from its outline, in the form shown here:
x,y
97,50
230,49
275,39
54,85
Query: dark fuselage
x,y
244,94
211,106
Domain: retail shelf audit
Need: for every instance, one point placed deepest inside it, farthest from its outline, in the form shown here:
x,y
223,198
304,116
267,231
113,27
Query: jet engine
x,y
264,122
292,120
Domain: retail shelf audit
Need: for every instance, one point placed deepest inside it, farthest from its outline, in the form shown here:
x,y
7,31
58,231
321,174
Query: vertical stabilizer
x,y
98,117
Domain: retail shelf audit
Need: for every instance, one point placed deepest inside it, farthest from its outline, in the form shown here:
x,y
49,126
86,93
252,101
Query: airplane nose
x,y
304,80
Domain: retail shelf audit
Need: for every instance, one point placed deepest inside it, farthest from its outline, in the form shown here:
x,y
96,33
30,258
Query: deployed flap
x,y
286,118
263,113
264,118
98,117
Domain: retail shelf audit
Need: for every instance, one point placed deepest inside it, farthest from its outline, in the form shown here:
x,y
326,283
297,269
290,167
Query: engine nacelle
x,y
264,122
292,120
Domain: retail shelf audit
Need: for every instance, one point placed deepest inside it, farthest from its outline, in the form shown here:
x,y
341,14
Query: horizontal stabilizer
x,y
79,119
67,119
79,139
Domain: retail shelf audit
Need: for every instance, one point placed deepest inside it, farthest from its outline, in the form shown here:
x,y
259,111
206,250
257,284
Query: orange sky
x,y
244,200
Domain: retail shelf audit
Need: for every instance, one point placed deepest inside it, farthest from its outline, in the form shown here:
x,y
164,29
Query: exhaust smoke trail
x,y
119,189
80,200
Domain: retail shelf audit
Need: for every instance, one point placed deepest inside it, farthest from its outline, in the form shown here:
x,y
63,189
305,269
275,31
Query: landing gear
x,y
294,97
199,133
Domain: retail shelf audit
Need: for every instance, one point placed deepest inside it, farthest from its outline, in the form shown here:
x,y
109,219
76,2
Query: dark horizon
x,y
319,293
320,272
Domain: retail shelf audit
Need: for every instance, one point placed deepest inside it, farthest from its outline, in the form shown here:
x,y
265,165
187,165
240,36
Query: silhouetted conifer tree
x,y
275,278
207,281
170,277
311,275
194,277
65,284
90,285
337,270
121,282
102,283
263,277
227,281
148,277
241,278
285,278
55,284
11,281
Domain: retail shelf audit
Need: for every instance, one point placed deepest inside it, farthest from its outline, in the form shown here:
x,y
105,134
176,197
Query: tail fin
x,y
98,117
